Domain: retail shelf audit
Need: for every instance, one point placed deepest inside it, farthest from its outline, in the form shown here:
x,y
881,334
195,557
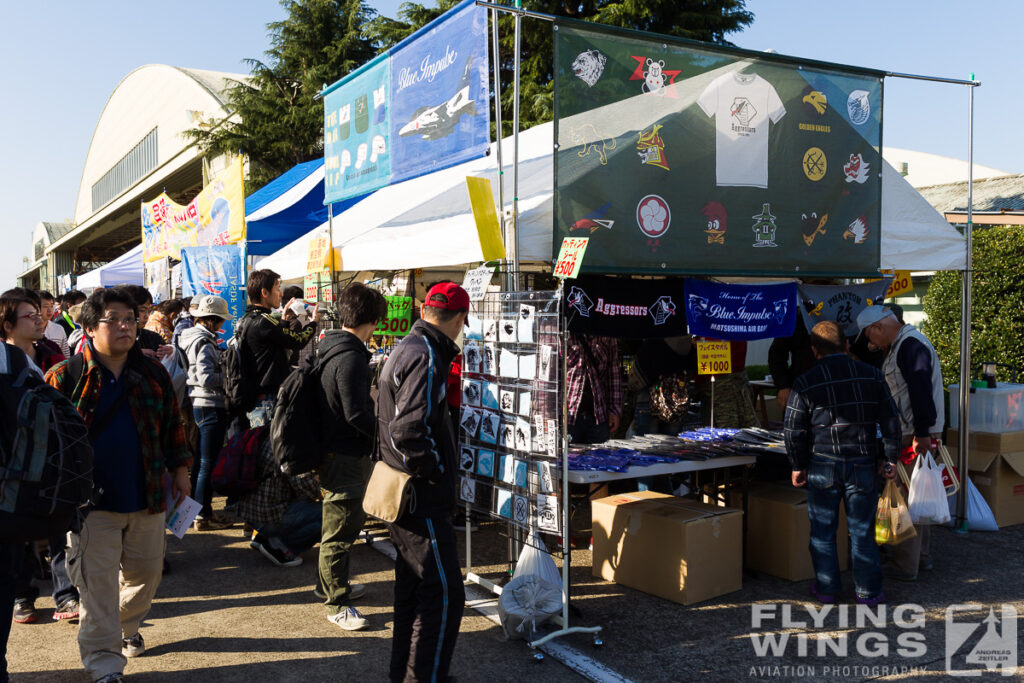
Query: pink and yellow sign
x,y
215,216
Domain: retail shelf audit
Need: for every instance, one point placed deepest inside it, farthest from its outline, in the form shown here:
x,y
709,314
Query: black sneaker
x,y
276,552
134,646
25,612
67,610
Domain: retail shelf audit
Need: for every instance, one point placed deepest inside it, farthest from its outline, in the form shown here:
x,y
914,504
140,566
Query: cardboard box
x,y
779,531
675,548
1000,480
994,442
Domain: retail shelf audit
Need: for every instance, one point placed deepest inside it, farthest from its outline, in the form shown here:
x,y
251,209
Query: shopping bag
x,y
979,514
533,595
892,521
927,495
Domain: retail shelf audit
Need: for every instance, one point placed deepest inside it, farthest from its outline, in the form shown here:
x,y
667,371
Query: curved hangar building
x,y
137,152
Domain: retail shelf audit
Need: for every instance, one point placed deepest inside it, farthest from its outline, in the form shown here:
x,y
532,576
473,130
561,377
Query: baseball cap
x,y
871,315
211,304
448,296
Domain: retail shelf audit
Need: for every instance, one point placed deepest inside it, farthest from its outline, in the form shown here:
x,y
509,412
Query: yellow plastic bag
x,y
892,522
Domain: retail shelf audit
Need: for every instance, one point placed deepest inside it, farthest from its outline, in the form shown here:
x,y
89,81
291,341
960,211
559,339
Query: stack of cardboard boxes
x,y
995,461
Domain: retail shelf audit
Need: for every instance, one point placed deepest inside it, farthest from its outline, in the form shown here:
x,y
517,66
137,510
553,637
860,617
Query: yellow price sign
x,y
570,258
900,285
714,357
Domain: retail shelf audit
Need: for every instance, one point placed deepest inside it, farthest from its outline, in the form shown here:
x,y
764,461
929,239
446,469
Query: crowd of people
x,y
156,389
114,355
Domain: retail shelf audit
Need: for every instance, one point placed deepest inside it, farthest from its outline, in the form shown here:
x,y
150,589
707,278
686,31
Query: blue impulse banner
x,y
739,312
216,270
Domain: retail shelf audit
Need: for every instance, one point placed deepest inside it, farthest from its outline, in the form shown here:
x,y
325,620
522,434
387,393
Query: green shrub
x,y
997,296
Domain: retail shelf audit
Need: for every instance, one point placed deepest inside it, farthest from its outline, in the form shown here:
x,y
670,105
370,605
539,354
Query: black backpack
x,y
298,426
239,391
45,455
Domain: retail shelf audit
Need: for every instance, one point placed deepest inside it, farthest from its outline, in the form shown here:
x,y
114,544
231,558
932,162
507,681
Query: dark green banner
x,y
674,157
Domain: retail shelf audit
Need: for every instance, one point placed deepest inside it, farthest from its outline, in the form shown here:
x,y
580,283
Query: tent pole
x,y
496,49
965,324
515,151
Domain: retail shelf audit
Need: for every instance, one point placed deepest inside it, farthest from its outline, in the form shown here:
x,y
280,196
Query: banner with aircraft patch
x,y
737,312
216,270
624,307
214,216
674,157
840,303
419,107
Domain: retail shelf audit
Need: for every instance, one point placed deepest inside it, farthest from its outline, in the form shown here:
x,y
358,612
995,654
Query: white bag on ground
x,y
927,497
533,595
979,514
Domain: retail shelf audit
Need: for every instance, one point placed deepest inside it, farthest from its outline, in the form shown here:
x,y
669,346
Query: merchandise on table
x,y
705,443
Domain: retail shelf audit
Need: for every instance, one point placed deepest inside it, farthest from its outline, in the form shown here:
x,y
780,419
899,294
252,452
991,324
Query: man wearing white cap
x,y
911,368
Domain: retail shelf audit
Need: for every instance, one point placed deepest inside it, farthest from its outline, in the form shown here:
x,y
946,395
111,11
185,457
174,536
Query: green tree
x,y
997,297
276,121
705,20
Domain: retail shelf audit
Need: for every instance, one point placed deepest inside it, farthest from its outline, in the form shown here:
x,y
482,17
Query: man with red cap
x,y
416,435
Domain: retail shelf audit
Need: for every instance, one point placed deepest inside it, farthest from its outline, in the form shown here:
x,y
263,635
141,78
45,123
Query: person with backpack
x,y
351,425
416,435
21,323
265,343
206,392
138,437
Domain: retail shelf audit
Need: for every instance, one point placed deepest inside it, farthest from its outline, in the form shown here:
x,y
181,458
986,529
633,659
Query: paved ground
x,y
225,614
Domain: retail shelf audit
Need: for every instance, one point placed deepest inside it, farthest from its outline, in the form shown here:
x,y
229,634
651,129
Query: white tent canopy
x,y
428,221
126,269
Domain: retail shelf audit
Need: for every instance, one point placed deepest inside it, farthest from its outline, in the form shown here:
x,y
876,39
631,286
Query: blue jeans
x,y
61,582
300,526
854,481
212,424
10,565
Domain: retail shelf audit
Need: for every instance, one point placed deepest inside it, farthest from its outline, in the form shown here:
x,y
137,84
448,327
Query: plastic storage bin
x,y
992,410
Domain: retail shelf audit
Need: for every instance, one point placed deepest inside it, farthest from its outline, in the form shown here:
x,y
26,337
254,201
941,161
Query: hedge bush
x,y
997,294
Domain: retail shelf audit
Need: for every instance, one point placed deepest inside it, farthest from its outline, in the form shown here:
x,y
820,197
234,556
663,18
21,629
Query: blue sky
x,y
63,59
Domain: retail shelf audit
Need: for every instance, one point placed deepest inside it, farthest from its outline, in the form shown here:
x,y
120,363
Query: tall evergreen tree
x,y
276,120
705,20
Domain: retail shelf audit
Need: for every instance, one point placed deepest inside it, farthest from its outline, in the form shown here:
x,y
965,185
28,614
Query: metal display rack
x,y
513,433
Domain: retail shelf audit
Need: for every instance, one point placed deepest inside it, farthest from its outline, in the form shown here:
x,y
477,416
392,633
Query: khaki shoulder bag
x,y
387,492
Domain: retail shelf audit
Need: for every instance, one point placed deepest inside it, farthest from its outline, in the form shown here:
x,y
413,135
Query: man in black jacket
x,y
345,468
267,341
416,435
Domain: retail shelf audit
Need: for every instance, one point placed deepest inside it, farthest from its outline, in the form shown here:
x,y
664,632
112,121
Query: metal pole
x,y
515,151
965,323
496,49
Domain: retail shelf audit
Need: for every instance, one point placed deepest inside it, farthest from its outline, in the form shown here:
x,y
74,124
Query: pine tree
x,y
705,20
276,120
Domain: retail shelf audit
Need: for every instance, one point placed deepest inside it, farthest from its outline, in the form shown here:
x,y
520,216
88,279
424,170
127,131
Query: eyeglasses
x,y
34,317
118,322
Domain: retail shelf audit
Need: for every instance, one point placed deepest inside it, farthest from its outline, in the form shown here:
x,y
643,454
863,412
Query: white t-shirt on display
x,y
742,105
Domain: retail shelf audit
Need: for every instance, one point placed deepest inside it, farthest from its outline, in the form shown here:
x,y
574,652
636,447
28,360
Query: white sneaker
x,y
350,619
134,646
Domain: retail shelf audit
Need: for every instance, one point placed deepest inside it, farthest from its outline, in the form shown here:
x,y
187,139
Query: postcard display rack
x,y
512,427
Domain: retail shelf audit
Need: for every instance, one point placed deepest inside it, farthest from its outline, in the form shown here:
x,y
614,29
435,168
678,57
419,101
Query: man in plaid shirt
x,y
285,511
135,425
594,385
835,412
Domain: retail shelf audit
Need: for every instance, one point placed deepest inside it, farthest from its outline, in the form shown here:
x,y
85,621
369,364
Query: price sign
x,y
399,318
570,258
901,284
476,282
714,357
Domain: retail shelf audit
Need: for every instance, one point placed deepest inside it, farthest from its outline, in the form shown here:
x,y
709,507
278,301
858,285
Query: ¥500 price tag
x,y
570,258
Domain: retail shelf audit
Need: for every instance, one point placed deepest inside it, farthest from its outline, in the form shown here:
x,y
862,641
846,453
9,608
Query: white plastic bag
x,y
979,514
533,595
177,373
927,497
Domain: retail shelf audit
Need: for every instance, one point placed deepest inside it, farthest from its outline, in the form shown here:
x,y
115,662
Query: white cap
x,y
871,315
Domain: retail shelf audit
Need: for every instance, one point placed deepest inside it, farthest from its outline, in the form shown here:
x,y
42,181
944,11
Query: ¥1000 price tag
x,y
714,357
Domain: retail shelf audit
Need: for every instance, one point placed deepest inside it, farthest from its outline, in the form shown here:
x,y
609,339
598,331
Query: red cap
x,y
448,296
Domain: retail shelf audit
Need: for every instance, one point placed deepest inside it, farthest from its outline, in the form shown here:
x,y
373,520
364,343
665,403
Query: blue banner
x,y
441,114
357,154
216,270
737,312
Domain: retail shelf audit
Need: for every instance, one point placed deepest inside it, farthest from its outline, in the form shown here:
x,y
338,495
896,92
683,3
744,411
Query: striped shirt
x,y
837,408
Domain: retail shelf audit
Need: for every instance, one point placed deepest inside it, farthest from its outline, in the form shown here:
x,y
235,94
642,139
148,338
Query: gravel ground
x,y
225,614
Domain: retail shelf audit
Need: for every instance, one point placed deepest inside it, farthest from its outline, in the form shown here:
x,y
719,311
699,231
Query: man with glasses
x,y
138,438
911,368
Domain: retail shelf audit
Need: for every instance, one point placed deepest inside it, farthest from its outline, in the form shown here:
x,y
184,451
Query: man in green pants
x,y
345,468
